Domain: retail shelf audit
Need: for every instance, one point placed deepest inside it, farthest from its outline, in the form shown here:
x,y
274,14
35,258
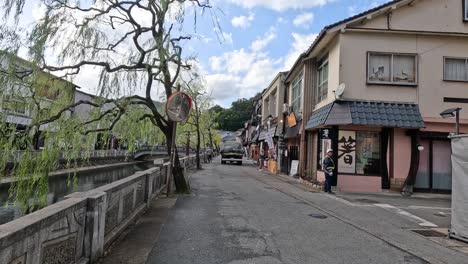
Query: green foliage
x,y
234,117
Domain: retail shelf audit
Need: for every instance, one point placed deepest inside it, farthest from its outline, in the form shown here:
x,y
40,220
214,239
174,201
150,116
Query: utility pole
x,y
187,148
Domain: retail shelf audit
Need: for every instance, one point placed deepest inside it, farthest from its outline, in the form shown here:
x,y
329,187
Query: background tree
x,y
136,46
234,117
193,84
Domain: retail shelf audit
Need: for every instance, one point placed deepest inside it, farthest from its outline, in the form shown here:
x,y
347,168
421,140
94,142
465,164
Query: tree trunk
x,y
211,138
177,171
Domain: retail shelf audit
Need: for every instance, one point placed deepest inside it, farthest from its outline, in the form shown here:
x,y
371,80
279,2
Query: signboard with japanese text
x,y
347,151
325,133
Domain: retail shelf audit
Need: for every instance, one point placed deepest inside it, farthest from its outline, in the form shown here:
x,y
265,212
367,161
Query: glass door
x,y
441,166
435,167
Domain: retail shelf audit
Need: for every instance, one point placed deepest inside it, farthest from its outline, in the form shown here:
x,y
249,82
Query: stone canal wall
x,y
79,228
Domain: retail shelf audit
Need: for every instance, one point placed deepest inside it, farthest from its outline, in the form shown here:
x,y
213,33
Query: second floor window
x,y
266,105
456,69
322,79
296,96
390,68
465,10
273,108
13,104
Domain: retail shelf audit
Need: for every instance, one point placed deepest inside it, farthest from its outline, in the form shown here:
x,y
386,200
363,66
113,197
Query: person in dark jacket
x,y
328,168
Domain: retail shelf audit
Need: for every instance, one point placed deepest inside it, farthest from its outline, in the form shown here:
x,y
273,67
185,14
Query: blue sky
x,y
262,37
258,38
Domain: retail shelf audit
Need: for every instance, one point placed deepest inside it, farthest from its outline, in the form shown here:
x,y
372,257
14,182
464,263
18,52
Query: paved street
x,y
240,215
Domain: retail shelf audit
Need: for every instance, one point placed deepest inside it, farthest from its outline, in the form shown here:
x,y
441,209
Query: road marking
x,y
427,207
410,216
344,201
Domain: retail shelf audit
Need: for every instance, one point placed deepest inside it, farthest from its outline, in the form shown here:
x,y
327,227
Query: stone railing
x,y
79,228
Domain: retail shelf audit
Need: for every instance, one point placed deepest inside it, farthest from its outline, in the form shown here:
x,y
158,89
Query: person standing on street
x,y
328,167
209,154
261,159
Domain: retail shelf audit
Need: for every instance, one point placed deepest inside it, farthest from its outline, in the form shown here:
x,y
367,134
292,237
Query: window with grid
x,y
322,79
390,68
13,104
266,104
456,69
297,93
273,108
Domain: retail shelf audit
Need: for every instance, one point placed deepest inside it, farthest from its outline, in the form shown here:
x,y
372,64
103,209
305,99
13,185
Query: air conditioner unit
x,y
285,108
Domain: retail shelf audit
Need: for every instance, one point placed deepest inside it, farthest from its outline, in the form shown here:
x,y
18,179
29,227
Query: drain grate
x,y
429,233
318,216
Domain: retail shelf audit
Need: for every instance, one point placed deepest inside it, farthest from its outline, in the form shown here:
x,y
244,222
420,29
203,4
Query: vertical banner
x,y
347,151
269,140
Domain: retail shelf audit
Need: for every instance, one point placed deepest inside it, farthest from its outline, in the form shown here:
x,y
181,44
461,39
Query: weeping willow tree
x,y
134,47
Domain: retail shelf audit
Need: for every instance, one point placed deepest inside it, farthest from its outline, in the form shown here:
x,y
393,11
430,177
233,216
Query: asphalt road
x,y
239,215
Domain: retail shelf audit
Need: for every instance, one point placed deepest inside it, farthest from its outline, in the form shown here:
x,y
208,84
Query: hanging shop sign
x,y
325,133
292,122
269,140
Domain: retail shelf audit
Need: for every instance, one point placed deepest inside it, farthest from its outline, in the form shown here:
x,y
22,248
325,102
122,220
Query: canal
x,y
58,187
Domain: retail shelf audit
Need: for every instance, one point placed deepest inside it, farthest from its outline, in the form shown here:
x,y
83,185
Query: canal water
x,y
58,187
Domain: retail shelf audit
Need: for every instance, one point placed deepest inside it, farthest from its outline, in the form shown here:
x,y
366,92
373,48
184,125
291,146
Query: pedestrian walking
x,y
261,159
209,154
328,167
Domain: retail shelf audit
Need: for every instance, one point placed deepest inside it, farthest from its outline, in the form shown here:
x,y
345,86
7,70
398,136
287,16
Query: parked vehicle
x,y
232,152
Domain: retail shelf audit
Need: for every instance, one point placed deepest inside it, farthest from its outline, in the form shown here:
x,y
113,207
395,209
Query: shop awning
x,y
367,113
292,132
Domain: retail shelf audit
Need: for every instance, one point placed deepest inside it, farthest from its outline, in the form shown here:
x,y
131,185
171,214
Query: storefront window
x,y
358,151
368,153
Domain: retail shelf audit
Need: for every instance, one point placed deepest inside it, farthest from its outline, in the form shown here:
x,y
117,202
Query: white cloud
x,y
280,5
261,42
235,62
39,11
223,87
244,73
242,21
303,20
301,43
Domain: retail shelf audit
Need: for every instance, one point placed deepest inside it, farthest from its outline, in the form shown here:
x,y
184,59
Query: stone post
x,y
95,224
150,178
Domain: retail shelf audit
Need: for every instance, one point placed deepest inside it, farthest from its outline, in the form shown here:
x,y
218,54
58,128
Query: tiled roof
x,y
368,113
319,116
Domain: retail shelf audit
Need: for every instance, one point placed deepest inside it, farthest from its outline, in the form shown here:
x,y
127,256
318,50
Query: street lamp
x,y
453,112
